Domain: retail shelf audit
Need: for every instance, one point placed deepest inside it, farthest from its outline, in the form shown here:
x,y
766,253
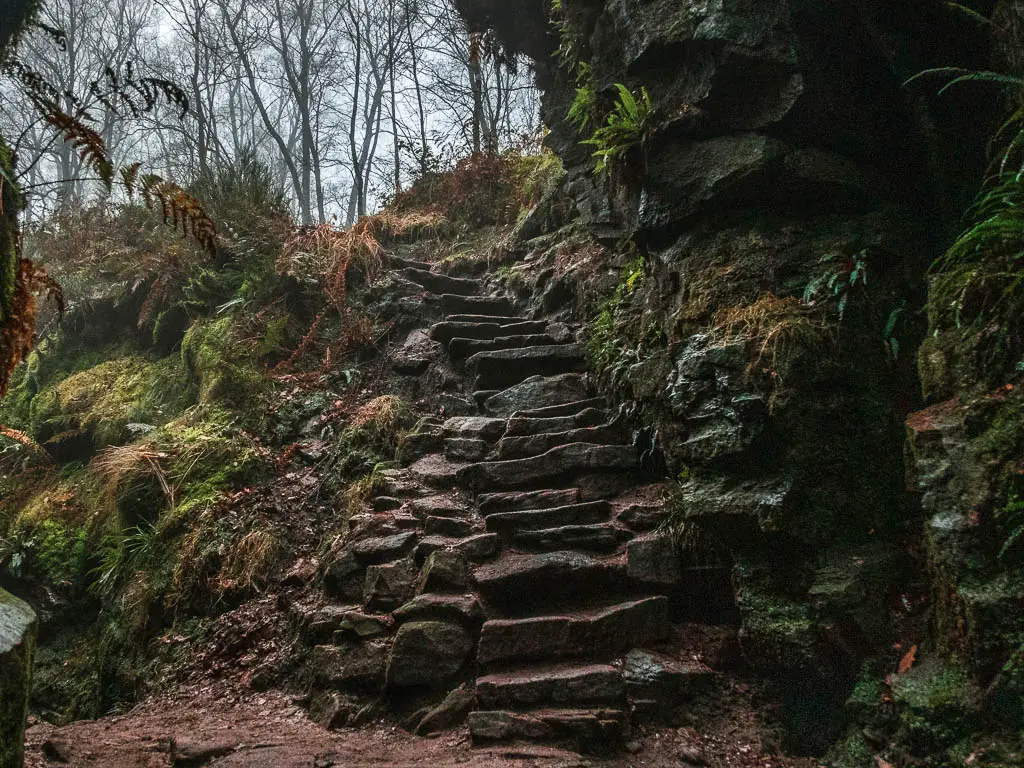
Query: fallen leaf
x,y
882,763
907,661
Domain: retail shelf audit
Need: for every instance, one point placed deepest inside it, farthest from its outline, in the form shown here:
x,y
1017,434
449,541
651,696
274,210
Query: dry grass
x,y
126,463
777,329
249,561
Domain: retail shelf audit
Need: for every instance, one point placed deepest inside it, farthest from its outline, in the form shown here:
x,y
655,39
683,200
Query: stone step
x,y
538,392
487,319
594,634
602,537
588,731
398,262
452,304
560,463
557,684
463,348
521,582
505,367
561,409
443,284
475,428
447,330
586,513
466,448
514,501
436,471
534,445
522,426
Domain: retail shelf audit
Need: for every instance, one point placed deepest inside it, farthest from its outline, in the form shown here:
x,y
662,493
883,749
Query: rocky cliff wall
x,y
778,212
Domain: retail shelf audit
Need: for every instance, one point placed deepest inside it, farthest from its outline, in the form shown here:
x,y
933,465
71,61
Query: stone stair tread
x,y
538,392
560,409
481,427
563,461
443,284
522,583
521,447
512,320
523,501
460,348
580,513
524,426
402,263
505,367
452,304
547,684
591,730
600,537
591,632
436,471
447,330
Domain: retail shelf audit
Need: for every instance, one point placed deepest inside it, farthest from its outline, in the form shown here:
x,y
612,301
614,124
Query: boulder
x,y
388,586
444,571
654,560
449,713
428,653
353,666
17,645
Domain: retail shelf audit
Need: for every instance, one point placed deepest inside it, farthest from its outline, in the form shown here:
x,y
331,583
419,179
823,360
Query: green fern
x,y
626,127
1012,519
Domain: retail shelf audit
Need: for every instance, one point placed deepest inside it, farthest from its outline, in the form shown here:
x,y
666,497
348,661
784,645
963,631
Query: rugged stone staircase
x,y
514,529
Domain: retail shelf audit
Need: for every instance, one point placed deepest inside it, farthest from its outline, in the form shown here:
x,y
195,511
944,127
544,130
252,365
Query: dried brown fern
x,y
26,440
17,333
178,207
86,141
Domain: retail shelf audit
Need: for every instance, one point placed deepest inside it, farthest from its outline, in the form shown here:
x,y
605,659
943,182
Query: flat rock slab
x,y
586,730
521,581
479,547
438,283
522,426
483,329
436,471
587,513
460,348
465,448
654,560
439,506
562,409
475,427
511,501
604,537
505,367
512,320
591,634
559,463
452,304
534,445
559,684
537,392
381,549
432,606
388,586
448,526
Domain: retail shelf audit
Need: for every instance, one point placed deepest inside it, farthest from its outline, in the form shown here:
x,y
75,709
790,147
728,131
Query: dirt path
x,y
227,727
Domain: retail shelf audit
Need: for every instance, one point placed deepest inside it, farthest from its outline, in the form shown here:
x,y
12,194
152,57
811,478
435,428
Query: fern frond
x,y
86,141
179,209
129,176
969,13
25,439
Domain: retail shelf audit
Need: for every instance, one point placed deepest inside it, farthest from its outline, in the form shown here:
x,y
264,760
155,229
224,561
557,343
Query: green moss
x,y
211,353
936,704
853,751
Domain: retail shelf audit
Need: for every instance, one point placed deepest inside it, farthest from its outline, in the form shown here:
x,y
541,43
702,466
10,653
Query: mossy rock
x,y
17,645
937,705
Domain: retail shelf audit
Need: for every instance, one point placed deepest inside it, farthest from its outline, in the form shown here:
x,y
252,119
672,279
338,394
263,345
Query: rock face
x,y
17,643
759,160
